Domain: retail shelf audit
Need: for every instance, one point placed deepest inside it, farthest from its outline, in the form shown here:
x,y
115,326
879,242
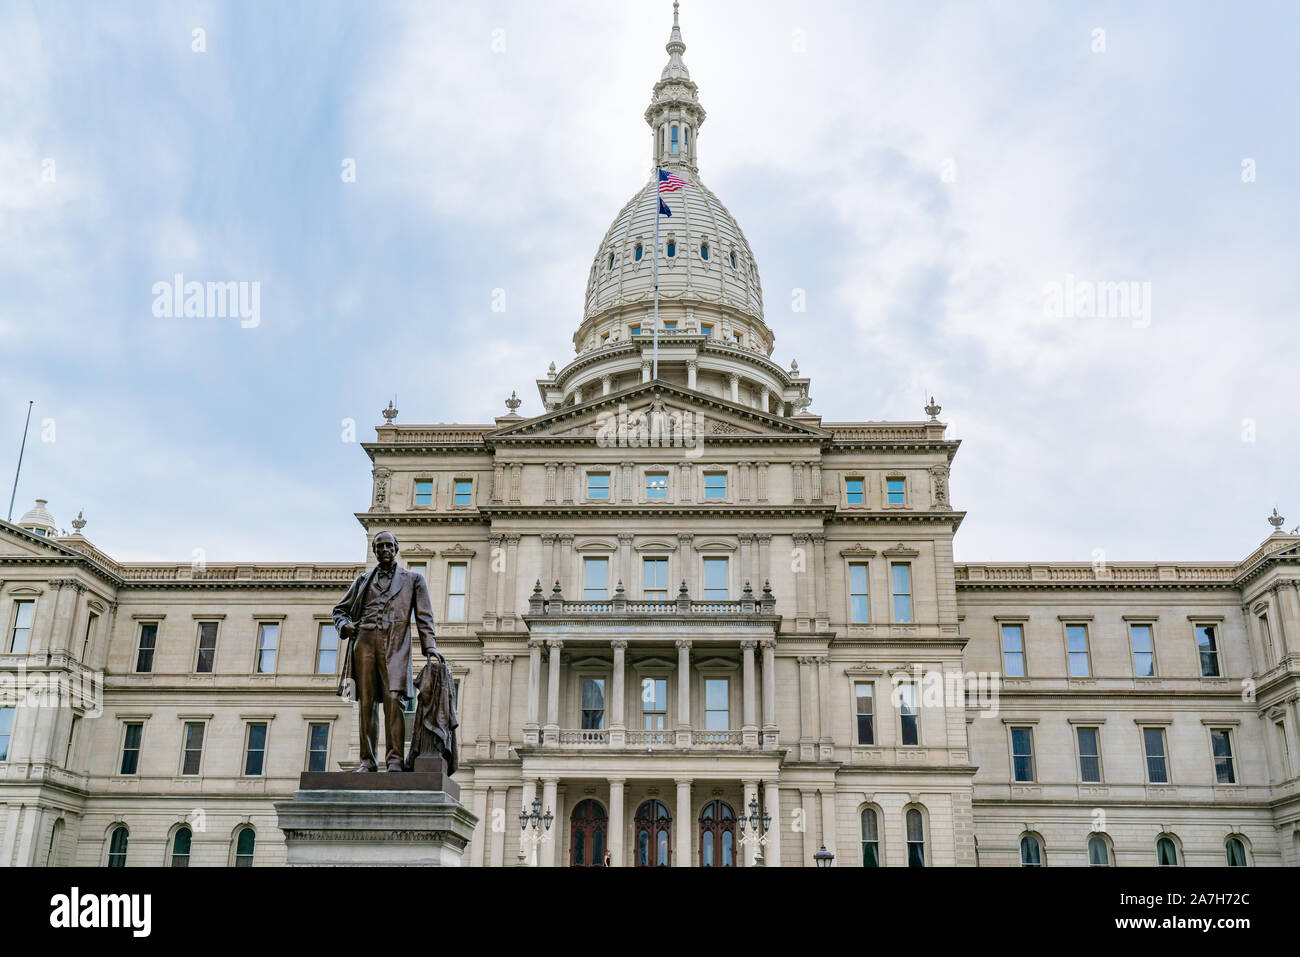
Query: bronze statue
x,y
375,617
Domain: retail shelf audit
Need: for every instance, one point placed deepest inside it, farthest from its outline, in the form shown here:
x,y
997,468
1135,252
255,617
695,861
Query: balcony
x,y
636,740
542,608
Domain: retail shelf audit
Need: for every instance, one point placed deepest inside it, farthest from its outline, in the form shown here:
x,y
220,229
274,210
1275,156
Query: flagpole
x,y
23,448
655,374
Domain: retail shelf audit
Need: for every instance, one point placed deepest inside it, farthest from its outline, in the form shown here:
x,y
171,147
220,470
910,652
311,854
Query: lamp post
x,y
754,836
824,858
534,829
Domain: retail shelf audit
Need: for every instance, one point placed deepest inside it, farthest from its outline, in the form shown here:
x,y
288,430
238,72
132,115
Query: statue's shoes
x,y
396,767
368,767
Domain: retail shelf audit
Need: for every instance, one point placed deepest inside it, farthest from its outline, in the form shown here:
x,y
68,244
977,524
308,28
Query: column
x,y
828,824
479,841
749,720
502,702
531,857
483,733
683,824
806,738
546,856
605,382
825,739
803,544
645,370
625,560
819,581
811,832
547,577
534,691
772,805
568,481
733,380
764,567
508,609
496,581
565,564
751,794
552,729
617,722
615,835
550,486
769,693
747,561
764,397
683,692
498,839
692,369
686,562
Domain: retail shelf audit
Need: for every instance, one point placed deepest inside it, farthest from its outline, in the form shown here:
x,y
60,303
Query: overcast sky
x,y
924,172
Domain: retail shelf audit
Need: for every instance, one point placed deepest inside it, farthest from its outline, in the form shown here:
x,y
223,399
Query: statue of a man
x,y
375,615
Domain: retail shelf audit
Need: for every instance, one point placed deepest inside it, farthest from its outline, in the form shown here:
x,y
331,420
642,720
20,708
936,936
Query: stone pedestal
x,y
376,819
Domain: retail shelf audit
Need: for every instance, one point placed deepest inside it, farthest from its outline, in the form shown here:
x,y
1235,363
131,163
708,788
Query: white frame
x,y
203,746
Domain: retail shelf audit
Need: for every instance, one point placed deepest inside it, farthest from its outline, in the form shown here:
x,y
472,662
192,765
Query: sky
x,y
943,184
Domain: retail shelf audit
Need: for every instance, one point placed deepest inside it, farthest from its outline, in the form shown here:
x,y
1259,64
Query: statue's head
x,y
385,547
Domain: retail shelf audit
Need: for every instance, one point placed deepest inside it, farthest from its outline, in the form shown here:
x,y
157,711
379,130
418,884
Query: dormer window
x,y
674,141
704,251
672,249
639,252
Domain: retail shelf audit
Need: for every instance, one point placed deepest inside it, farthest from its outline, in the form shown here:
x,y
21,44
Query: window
x,y
207,647
1013,651
1166,852
1236,852
131,747
901,577
463,491
72,740
424,492
6,731
654,579
1221,745
870,838
654,703
1098,851
611,260
192,754
327,649
673,140
739,337
907,716
915,839
593,704
1283,749
895,491
255,752
1268,639
1031,852
1089,755
672,249
1144,655
634,330
1153,739
639,252
706,330
456,576
859,600
656,485
670,326
715,579
244,845
318,746
595,579
733,260
598,485
715,485
853,491
268,639
1076,639
21,634
704,251
91,621
1208,646
148,642
864,694
117,846
717,710
181,843
1022,754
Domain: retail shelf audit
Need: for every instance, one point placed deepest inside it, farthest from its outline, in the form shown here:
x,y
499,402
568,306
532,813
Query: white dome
x,y
38,519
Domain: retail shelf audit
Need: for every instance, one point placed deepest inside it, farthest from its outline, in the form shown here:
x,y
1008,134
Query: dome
x,y
38,520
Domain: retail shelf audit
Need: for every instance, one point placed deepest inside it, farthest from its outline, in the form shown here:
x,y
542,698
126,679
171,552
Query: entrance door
x,y
588,826
654,835
717,835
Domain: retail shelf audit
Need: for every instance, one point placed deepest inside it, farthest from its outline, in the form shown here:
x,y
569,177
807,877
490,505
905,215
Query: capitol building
x,y
687,618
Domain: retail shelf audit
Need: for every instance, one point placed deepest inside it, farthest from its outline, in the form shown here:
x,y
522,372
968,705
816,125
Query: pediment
x,y
19,543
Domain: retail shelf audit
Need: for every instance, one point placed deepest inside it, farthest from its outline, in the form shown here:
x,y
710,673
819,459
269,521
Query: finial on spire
x,y
1276,521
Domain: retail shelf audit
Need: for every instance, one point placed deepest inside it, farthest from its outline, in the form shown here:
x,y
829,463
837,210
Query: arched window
x,y
181,847
672,249
640,251
674,140
1031,851
1166,852
244,843
717,835
704,251
915,839
1098,852
1236,849
654,828
117,846
870,838
588,825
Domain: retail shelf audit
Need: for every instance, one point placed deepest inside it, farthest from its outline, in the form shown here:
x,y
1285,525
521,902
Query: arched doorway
x,y
717,835
654,835
588,826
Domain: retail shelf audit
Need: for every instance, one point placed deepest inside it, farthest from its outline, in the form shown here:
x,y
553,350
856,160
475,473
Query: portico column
x,y
547,850
502,702
751,794
749,725
534,690
683,692
531,858
617,723
552,729
824,700
772,806
685,823
483,733
828,823
615,836
769,693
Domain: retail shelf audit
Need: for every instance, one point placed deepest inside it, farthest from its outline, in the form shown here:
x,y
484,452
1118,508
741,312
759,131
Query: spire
x,y
675,114
676,69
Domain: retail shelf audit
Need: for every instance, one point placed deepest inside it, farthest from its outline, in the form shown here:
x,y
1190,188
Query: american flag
x,y
670,182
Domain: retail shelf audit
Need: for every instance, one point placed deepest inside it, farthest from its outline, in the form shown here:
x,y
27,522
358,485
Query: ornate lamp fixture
x,y
754,836
535,829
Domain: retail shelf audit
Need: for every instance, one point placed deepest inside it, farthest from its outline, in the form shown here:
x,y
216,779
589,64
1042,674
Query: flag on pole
x,y
670,182
663,209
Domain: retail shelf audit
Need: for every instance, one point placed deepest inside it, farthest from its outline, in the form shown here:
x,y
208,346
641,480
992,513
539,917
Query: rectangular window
x,y
740,339
896,491
863,692
595,579
670,326
1013,651
593,704
907,714
20,636
674,140
1144,653
1283,749
268,641
192,758
1221,743
654,580
715,579
1022,753
706,330
424,491
901,577
598,485
456,575
859,600
72,740
207,647
1153,740
715,485
327,649
717,707
853,491
1207,644
1267,636
255,753
1076,638
318,746
656,485
654,703
1089,755
131,747
463,492
634,330
90,633
148,642
6,731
